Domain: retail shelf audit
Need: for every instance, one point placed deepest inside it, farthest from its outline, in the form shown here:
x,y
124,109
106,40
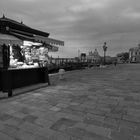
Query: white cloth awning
x,y
9,39
49,41
40,39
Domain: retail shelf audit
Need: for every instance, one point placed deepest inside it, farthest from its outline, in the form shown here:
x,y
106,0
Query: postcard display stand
x,y
16,78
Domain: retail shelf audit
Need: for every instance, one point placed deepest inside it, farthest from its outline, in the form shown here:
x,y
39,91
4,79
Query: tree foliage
x,y
124,56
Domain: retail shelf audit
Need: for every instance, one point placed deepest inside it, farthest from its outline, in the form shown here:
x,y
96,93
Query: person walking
x,y
115,63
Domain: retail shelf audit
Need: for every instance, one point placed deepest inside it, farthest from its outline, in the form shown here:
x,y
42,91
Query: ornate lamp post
x,y
104,49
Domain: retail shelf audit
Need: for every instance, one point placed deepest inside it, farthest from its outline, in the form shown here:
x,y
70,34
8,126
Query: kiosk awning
x,y
39,39
9,39
49,41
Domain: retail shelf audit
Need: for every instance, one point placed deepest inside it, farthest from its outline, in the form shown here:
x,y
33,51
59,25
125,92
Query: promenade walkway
x,y
91,104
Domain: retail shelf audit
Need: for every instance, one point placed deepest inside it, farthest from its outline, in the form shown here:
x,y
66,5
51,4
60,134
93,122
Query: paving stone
x,y
134,112
87,138
126,130
108,101
73,112
41,138
103,97
80,125
30,118
14,121
21,135
55,108
52,101
93,136
110,126
75,138
89,121
90,102
74,103
118,110
137,131
105,109
74,117
10,130
4,116
126,103
136,105
130,98
106,122
128,124
19,115
99,130
62,105
5,137
1,126
131,118
45,132
60,136
29,127
50,115
77,108
63,123
110,120
95,111
100,105
117,98
11,111
121,136
75,132
60,115
136,137
79,99
43,122
94,116
25,110
114,116
84,134
93,97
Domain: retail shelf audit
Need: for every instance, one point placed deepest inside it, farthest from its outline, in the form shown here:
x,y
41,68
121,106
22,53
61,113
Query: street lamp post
x,y
104,49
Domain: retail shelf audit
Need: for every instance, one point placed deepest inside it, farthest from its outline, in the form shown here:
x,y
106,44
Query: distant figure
x,y
115,63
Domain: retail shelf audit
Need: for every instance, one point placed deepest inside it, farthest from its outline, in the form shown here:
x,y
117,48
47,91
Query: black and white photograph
x,y
69,69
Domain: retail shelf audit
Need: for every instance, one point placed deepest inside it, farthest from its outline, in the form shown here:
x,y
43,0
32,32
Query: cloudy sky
x,y
82,24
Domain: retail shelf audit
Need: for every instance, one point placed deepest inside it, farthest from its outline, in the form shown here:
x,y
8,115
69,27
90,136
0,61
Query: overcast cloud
x,y
82,24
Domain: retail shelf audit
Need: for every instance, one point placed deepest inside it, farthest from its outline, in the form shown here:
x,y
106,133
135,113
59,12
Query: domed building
x,y
93,57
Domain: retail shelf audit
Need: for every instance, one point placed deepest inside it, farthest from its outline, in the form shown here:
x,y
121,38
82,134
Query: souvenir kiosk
x,y
21,64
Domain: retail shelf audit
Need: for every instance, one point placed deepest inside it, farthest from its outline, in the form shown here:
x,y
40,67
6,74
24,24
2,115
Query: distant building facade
x,y
93,57
110,60
83,57
134,54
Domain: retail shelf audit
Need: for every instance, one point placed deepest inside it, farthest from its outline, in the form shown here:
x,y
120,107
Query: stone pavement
x,y
91,104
